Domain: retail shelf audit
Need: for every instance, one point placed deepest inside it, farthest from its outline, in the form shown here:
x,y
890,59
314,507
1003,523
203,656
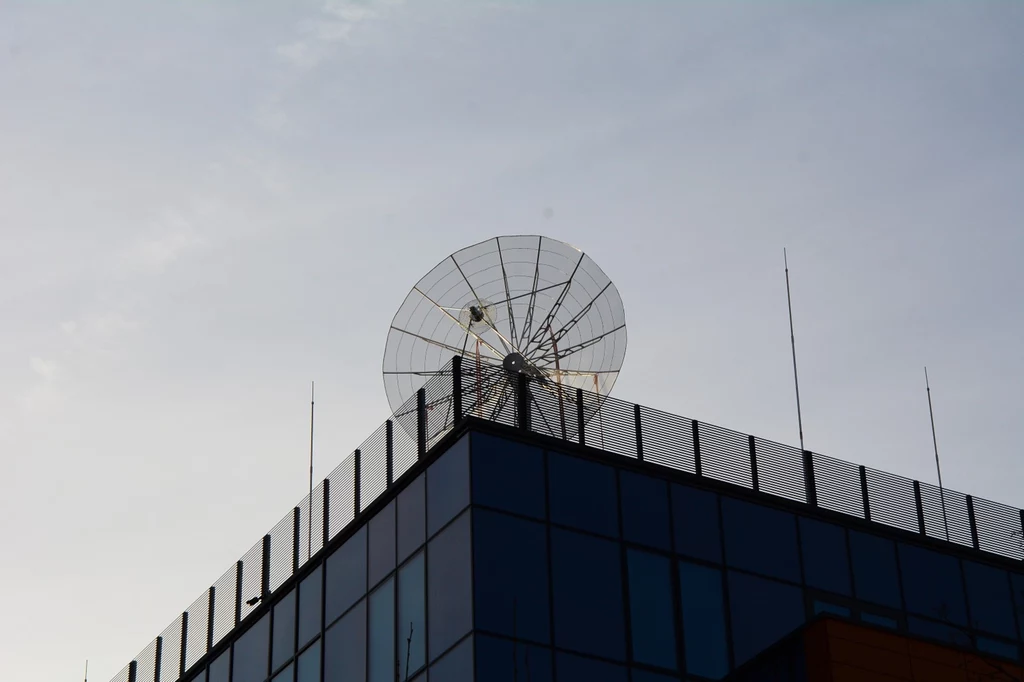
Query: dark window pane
x,y
826,565
382,633
345,647
645,510
583,494
511,576
760,539
412,616
284,631
456,665
220,669
500,660
932,585
1017,585
286,675
588,670
875,577
647,676
763,612
650,609
999,648
508,475
940,632
309,664
251,653
704,637
588,595
989,599
449,586
382,544
875,619
448,486
825,607
346,576
310,591
412,518
695,522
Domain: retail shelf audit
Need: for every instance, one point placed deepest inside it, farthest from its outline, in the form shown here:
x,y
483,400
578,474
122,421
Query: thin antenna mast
x,y
792,341
87,670
935,444
309,515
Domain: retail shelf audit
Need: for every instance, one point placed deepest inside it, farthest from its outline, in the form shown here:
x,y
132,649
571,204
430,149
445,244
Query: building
x,y
643,547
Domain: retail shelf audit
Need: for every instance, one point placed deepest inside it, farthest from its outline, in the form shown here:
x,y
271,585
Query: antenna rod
x,y
87,670
935,444
309,515
792,341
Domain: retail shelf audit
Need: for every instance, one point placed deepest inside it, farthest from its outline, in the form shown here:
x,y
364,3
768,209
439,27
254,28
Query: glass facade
x,y
504,561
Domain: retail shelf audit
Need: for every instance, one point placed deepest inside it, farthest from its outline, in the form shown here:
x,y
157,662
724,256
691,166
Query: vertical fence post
x,y
327,512
639,433
865,500
265,569
158,656
211,604
133,671
421,423
810,485
182,659
356,489
920,508
581,422
973,521
238,592
389,451
523,402
697,468
754,480
297,533
457,389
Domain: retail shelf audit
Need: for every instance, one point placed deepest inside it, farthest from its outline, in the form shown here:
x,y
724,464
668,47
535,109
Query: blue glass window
x,y
412,616
588,670
251,653
508,475
286,675
382,544
284,631
940,632
826,566
704,637
932,584
346,576
647,676
511,576
309,664
583,494
999,648
763,612
345,647
587,591
645,515
875,619
456,665
381,656
760,539
1017,585
825,607
449,586
695,522
412,518
650,609
448,486
501,660
220,669
310,591
989,598
875,576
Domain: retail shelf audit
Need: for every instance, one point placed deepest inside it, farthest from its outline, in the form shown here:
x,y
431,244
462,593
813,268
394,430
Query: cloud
x,y
337,21
153,255
46,369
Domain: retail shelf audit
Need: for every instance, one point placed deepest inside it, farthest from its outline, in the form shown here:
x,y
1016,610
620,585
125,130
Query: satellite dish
x,y
508,306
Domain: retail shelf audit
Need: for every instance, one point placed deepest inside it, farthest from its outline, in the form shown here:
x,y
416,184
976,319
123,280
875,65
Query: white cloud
x,y
336,23
46,369
154,254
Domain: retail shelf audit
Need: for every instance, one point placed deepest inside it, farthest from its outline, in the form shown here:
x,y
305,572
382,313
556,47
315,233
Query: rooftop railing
x,y
547,408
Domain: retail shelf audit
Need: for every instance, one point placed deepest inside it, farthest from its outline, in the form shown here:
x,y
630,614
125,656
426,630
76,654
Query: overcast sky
x,y
203,206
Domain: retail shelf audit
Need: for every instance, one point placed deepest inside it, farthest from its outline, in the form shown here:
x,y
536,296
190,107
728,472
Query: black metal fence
x,y
579,416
